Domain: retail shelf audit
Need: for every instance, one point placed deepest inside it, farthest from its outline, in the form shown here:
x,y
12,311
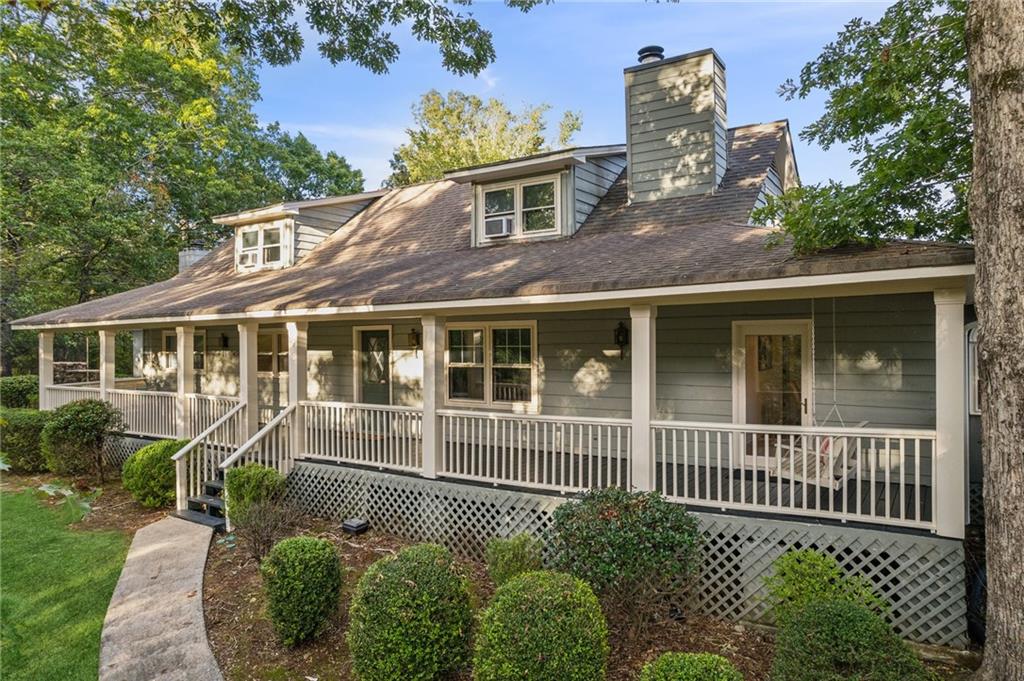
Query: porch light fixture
x,y
415,338
224,341
621,338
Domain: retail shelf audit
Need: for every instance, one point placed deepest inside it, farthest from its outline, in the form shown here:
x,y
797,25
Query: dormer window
x,y
520,209
262,246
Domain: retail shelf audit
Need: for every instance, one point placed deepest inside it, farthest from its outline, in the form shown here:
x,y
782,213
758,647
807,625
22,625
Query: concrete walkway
x,y
154,627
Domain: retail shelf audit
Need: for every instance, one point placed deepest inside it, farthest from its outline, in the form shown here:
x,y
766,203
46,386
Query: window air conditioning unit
x,y
247,259
498,226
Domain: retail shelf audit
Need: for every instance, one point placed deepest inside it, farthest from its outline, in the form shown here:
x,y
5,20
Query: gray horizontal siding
x,y
313,225
592,181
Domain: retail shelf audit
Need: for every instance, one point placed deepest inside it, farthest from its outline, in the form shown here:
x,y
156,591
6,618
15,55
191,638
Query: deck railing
x,y
146,412
564,454
872,475
202,411
59,395
271,446
200,459
385,437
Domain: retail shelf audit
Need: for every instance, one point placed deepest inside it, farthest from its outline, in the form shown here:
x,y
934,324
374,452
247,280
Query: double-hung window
x,y
169,350
261,246
521,209
492,363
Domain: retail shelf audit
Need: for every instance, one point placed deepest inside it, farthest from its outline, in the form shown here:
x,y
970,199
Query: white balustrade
x,y
566,454
200,459
862,474
145,412
385,437
271,446
204,410
59,395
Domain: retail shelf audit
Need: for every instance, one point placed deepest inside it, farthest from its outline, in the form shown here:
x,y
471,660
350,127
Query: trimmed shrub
x,y
542,625
249,483
19,392
804,576
148,474
631,547
410,617
302,580
690,667
838,641
507,558
74,437
21,431
261,524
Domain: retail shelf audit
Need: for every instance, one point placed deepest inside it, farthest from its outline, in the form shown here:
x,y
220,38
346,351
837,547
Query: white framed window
x,y
520,209
262,246
492,364
272,353
169,350
973,378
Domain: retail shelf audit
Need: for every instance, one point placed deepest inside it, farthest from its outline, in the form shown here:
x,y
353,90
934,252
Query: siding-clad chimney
x,y
675,124
190,256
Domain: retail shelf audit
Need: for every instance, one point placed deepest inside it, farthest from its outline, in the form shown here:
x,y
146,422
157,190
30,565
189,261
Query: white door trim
x,y
357,363
740,329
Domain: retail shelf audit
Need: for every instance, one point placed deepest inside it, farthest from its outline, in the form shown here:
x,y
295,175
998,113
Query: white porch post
x,y
433,392
45,367
186,378
949,469
107,355
298,344
248,389
642,381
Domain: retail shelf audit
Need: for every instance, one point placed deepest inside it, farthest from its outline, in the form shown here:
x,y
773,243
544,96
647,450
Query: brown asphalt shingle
x,y
413,245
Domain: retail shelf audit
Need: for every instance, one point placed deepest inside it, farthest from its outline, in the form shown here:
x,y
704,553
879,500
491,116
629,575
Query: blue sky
x,y
570,55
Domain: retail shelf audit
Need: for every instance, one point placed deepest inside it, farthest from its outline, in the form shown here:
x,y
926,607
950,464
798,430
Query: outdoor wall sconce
x,y
621,338
224,341
415,338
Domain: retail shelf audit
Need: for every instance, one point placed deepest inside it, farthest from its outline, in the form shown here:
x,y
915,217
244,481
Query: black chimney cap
x,y
651,53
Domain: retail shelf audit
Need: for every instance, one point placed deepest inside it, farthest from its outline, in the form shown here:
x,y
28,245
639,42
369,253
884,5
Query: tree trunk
x,y
995,40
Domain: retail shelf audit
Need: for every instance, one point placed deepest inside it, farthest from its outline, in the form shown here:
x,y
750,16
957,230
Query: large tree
x,y
123,132
995,39
461,130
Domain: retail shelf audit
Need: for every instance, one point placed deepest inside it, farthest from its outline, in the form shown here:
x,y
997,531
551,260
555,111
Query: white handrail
x,y
808,430
258,437
206,433
595,420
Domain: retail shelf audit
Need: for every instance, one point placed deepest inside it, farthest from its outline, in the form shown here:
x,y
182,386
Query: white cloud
x,y
488,79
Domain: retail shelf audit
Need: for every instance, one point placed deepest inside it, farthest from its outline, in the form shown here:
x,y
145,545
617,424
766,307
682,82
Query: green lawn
x,y
55,584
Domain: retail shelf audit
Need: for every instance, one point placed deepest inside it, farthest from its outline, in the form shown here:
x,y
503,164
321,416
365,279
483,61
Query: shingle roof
x,y
413,245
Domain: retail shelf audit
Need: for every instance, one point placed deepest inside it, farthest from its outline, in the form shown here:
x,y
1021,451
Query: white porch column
x,y
949,473
298,375
433,393
185,344
248,389
108,347
45,367
642,381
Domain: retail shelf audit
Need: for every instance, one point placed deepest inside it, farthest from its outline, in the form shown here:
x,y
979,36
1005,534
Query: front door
x,y
374,369
774,376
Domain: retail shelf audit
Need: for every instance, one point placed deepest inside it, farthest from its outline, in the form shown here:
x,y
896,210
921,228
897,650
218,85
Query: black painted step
x,y
207,504
217,524
213,488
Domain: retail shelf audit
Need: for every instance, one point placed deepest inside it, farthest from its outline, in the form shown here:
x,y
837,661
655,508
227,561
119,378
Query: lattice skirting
x,y
120,448
922,577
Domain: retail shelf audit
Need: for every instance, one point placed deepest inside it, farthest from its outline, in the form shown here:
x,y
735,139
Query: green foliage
x,y
149,474
897,95
690,667
302,579
842,641
74,437
251,483
463,130
804,576
21,432
629,546
19,392
542,625
410,617
507,558
261,524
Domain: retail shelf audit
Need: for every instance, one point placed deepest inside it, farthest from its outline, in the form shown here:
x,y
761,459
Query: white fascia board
x,y
655,295
280,210
547,162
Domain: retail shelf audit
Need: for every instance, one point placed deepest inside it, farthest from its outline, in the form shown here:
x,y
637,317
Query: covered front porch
x,y
839,405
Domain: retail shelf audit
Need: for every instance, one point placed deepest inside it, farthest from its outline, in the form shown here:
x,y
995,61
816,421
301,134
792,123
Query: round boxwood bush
x,y
837,640
507,558
302,580
19,392
410,617
148,474
20,433
542,625
690,667
251,483
74,437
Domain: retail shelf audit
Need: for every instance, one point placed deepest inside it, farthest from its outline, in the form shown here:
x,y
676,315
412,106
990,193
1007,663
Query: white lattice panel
x,y
118,449
921,576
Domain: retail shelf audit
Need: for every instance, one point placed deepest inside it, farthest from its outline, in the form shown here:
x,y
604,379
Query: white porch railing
x,y
146,412
59,395
200,459
271,446
204,410
862,474
366,434
560,453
